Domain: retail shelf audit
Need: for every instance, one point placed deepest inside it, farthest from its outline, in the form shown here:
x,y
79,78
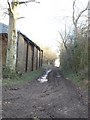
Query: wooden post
x,y
32,57
27,57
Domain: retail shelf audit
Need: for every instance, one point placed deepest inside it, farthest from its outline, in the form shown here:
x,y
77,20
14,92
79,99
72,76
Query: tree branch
x,y
79,15
61,36
64,40
24,2
10,8
20,17
74,11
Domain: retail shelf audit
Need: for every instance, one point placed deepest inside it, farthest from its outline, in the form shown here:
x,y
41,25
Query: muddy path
x,y
55,98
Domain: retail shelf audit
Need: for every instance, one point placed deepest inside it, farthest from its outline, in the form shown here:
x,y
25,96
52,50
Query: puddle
x,y
0,102
44,77
58,76
42,80
7,102
13,88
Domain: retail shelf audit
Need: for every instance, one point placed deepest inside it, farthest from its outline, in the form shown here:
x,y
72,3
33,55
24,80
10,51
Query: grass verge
x,y
80,78
26,77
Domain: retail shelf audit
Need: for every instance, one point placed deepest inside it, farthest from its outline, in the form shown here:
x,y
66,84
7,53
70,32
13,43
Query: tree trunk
x,y
12,40
0,58
0,76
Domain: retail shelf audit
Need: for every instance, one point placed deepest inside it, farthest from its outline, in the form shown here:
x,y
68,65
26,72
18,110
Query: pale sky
x,y
43,21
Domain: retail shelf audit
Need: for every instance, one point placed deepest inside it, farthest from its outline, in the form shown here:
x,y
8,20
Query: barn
x,y
29,54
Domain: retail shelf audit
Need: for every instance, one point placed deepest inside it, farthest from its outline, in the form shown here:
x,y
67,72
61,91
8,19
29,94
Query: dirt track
x,y
57,98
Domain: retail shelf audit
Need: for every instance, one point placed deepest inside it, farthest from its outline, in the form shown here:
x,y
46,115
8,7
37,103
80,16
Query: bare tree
x,y
76,19
12,33
66,36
